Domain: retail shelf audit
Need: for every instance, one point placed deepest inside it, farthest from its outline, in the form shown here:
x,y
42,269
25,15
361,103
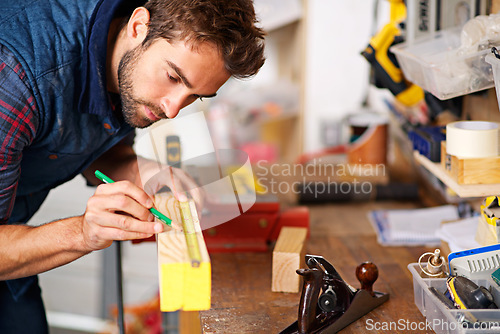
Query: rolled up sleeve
x,y
18,123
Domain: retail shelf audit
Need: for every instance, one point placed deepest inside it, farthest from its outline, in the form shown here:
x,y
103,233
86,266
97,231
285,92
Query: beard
x,y
130,103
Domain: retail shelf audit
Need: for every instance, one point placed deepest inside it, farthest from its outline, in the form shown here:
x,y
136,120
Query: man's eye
x,y
172,78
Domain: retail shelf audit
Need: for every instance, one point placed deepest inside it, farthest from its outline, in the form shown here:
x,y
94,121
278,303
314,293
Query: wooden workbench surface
x,y
242,301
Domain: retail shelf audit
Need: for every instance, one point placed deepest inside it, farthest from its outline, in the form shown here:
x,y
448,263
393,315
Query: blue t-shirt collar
x,y
94,98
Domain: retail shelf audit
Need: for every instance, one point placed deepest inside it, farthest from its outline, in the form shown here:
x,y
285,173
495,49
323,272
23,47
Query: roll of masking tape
x,y
472,139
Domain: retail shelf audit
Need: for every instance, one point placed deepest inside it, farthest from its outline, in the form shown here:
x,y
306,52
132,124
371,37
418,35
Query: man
x,y
76,77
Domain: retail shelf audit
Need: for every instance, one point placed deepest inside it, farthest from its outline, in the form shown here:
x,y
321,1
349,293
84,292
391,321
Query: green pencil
x,y
155,212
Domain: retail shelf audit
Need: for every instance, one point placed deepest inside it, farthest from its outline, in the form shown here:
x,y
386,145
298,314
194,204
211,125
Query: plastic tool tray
x,y
439,66
444,320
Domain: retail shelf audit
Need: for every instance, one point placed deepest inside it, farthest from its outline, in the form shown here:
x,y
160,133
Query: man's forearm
x,y
27,250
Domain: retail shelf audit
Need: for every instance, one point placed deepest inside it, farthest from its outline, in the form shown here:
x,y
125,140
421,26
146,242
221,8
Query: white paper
x,y
419,224
460,234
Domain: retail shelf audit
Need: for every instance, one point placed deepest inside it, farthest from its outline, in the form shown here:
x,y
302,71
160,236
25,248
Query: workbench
x,y
242,301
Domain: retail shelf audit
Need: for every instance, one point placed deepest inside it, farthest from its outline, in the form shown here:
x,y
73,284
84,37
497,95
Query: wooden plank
x,y
462,190
182,286
288,256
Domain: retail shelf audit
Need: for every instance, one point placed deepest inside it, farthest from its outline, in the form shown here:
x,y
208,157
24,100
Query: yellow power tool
x,y
386,70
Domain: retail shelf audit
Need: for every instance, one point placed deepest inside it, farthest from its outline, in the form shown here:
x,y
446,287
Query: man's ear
x,y
137,26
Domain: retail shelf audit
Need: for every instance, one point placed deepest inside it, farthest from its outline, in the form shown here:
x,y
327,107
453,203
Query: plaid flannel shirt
x,y
18,124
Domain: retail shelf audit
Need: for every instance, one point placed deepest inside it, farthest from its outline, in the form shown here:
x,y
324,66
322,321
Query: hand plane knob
x,y
367,274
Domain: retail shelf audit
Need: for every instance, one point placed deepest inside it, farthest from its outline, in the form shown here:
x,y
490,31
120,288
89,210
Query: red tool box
x,y
253,230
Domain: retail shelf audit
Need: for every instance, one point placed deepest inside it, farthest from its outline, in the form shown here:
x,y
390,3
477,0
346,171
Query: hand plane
x,y
328,303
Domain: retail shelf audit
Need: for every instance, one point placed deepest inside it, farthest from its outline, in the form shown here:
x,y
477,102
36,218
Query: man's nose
x,y
171,106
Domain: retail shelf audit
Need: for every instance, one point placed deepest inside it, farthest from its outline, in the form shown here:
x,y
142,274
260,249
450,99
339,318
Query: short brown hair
x,y
229,24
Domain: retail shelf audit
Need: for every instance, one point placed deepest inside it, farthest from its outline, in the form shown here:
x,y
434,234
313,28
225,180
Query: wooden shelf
x,y
462,190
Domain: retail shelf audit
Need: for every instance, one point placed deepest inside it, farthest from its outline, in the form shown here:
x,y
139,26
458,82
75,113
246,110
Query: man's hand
x,y
118,211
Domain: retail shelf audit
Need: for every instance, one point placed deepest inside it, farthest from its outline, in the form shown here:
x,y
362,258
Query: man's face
x,y
159,81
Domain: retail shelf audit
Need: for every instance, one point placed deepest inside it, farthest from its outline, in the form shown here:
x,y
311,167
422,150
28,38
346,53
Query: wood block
x,y
470,170
182,286
288,256
486,234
